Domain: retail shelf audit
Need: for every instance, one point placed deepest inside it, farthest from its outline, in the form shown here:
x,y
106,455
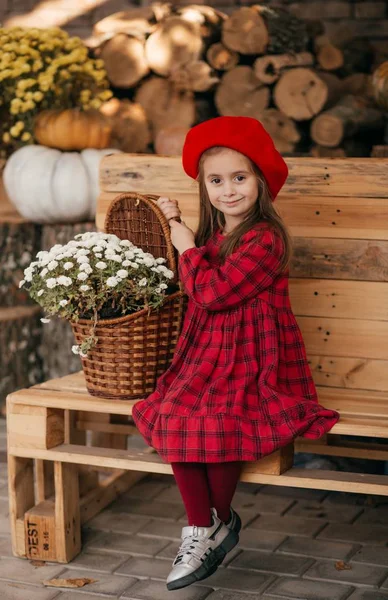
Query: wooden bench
x,y
337,212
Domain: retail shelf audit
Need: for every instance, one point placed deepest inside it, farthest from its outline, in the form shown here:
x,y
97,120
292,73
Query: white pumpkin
x,y
50,186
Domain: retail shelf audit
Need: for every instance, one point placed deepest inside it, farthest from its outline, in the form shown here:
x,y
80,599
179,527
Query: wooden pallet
x,y
46,427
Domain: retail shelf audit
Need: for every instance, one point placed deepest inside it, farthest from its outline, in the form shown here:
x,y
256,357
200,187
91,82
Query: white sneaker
x,y
201,551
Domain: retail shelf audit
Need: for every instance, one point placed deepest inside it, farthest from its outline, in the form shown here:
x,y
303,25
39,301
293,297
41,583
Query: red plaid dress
x,y
239,385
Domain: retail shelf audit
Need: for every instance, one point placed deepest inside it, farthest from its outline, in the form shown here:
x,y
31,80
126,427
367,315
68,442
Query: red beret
x,y
244,134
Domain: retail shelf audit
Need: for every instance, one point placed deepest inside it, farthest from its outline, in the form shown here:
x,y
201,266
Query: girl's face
x,y
231,185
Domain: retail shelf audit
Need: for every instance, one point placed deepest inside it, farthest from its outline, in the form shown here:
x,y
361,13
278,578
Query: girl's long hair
x,y
210,218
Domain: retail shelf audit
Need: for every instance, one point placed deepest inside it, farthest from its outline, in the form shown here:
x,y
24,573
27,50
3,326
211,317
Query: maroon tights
x,y
206,485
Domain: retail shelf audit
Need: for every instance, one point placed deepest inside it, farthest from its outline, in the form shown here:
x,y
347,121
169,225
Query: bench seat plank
x,y
151,463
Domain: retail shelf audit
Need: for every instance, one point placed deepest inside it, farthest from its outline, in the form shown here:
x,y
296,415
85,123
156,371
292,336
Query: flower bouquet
x,y
111,292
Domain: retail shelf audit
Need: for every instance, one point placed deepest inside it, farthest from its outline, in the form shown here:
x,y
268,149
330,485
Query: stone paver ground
x,y
296,545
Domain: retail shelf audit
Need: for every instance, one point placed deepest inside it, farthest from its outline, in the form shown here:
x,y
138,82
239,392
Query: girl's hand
x,y
169,208
182,237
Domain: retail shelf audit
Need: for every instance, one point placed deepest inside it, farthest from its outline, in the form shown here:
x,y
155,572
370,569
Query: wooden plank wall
x,y
337,213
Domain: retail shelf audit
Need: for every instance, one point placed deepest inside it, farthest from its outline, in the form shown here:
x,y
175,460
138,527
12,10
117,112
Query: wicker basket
x,y
134,350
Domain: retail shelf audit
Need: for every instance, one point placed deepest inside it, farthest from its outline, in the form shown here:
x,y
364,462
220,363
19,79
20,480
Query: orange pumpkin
x,y
380,85
72,129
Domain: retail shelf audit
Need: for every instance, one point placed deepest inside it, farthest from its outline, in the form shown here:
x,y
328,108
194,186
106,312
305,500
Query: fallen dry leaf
x,y
340,565
69,583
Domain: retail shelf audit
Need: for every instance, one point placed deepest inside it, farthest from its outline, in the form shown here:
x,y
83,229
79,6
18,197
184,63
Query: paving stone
x,y
152,590
373,555
254,539
363,534
377,515
5,547
368,595
223,595
108,585
155,568
162,529
88,535
246,515
385,584
294,493
5,525
262,503
149,508
288,525
239,580
359,573
301,589
128,544
117,521
17,569
317,548
96,561
19,591
317,510
4,490
146,490
271,562
170,494
77,595
352,499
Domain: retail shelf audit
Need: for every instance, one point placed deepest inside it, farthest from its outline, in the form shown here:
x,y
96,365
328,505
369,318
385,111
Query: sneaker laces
x,y
193,545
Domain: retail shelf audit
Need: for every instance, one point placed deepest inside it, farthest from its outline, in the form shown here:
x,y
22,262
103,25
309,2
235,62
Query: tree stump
x,y
174,43
240,93
268,68
221,58
125,60
259,29
282,129
351,115
164,106
329,57
196,76
130,129
169,141
300,93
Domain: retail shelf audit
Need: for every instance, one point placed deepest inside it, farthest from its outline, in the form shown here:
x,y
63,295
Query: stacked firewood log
x,y
184,64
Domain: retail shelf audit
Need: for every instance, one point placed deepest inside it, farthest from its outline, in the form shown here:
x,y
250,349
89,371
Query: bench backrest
x,y
337,213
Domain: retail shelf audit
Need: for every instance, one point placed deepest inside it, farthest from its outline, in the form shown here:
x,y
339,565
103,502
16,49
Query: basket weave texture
x,y
134,350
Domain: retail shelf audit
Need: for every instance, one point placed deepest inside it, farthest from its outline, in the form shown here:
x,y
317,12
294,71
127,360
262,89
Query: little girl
x,y
239,386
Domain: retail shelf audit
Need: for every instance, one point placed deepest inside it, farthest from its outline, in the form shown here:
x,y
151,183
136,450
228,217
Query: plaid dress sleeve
x,y
247,272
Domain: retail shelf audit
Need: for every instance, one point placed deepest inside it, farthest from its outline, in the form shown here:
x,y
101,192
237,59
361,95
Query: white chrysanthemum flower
x,y
82,276
129,254
63,302
82,259
116,258
63,280
126,243
98,255
40,293
43,272
101,265
163,286
122,273
83,252
68,265
21,283
43,320
112,281
52,265
160,261
85,267
51,283
28,277
75,349
126,263
98,248
82,354
84,288
143,282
